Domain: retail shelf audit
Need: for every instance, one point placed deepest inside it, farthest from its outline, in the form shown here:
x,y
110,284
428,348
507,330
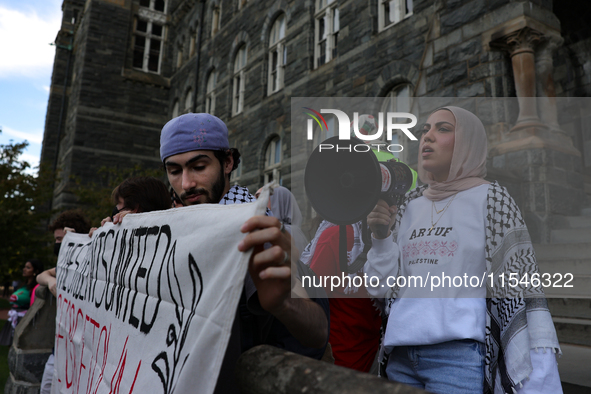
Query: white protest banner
x,y
148,305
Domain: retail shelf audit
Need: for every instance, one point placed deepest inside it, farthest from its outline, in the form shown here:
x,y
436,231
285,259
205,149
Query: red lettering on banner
x,y
95,337
118,375
71,354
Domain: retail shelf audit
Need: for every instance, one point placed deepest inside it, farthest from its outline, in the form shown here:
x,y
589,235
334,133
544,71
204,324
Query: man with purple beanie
x,y
198,161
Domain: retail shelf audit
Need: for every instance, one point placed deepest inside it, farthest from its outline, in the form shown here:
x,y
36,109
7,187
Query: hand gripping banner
x,y
147,306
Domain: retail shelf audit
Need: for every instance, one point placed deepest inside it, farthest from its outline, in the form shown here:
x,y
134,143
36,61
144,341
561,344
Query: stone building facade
x,y
123,68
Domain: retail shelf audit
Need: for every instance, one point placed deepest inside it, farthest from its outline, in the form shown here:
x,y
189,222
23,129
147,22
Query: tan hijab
x,y
468,163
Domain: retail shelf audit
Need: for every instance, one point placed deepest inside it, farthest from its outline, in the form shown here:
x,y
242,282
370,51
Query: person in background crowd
x,y
34,281
284,207
355,321
469,339
20,300
71,220
137,195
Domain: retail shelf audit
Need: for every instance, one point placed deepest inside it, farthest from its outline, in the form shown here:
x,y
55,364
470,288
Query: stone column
x,y
545,81
521,45
542,158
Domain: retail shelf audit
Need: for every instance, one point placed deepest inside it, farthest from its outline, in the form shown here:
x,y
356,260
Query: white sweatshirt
x,y
449,244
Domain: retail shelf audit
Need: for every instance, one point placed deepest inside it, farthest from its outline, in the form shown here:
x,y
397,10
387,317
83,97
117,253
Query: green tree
x,y
23,234
95,198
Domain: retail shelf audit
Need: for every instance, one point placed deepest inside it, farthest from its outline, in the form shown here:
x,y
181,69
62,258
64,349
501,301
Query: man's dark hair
x,y
222,155
73,218
145,194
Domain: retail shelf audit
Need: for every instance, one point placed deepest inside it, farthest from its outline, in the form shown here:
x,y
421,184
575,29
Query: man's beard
x,y
209,197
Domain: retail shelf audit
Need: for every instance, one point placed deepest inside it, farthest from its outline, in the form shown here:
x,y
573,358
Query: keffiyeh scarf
x,y
237,195
517,318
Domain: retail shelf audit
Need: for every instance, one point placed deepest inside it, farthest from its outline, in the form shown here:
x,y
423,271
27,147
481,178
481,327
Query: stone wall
x,y
269,370
55,118
455,62
115,113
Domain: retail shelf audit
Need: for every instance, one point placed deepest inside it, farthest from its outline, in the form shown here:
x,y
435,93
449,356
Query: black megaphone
x,y
344,180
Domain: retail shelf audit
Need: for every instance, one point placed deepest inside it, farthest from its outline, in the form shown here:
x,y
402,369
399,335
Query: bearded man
x,y
195,151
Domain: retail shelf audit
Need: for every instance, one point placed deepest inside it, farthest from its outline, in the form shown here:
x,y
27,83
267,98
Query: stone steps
x,y
558,260
570,306
574,308
561,252
571,235
573,367
572,229
572,319
583,221
573,331
570,253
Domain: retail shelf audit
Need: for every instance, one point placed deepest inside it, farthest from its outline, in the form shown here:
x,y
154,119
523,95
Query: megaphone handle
x,y
382,230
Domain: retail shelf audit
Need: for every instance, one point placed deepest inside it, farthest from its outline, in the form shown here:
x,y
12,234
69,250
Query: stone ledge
x,y
14,386
269,370
27,366
144,77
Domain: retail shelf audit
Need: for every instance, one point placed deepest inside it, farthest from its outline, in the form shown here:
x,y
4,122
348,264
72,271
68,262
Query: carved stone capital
x,y
519,41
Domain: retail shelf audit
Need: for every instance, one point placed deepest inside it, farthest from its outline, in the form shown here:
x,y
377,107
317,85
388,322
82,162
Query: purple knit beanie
x,y
191,132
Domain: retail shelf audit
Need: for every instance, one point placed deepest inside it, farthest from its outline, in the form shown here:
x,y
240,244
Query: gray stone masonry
x,y
269,370
369,63
113,118
63,42
115,112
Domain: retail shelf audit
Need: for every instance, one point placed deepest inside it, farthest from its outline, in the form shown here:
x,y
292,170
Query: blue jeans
x,y
455,367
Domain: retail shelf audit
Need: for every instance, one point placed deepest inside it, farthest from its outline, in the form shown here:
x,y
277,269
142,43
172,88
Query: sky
x,y
27,27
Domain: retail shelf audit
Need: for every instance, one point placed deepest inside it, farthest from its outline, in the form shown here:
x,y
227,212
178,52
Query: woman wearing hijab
x,y
490,338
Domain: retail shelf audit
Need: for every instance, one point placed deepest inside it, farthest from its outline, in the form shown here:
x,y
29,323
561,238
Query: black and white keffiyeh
x,y
517,318
237,195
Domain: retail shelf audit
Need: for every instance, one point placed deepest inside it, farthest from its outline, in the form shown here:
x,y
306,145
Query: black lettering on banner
x,y
164,231
116,272
169,364
143,274
98,264
73,254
